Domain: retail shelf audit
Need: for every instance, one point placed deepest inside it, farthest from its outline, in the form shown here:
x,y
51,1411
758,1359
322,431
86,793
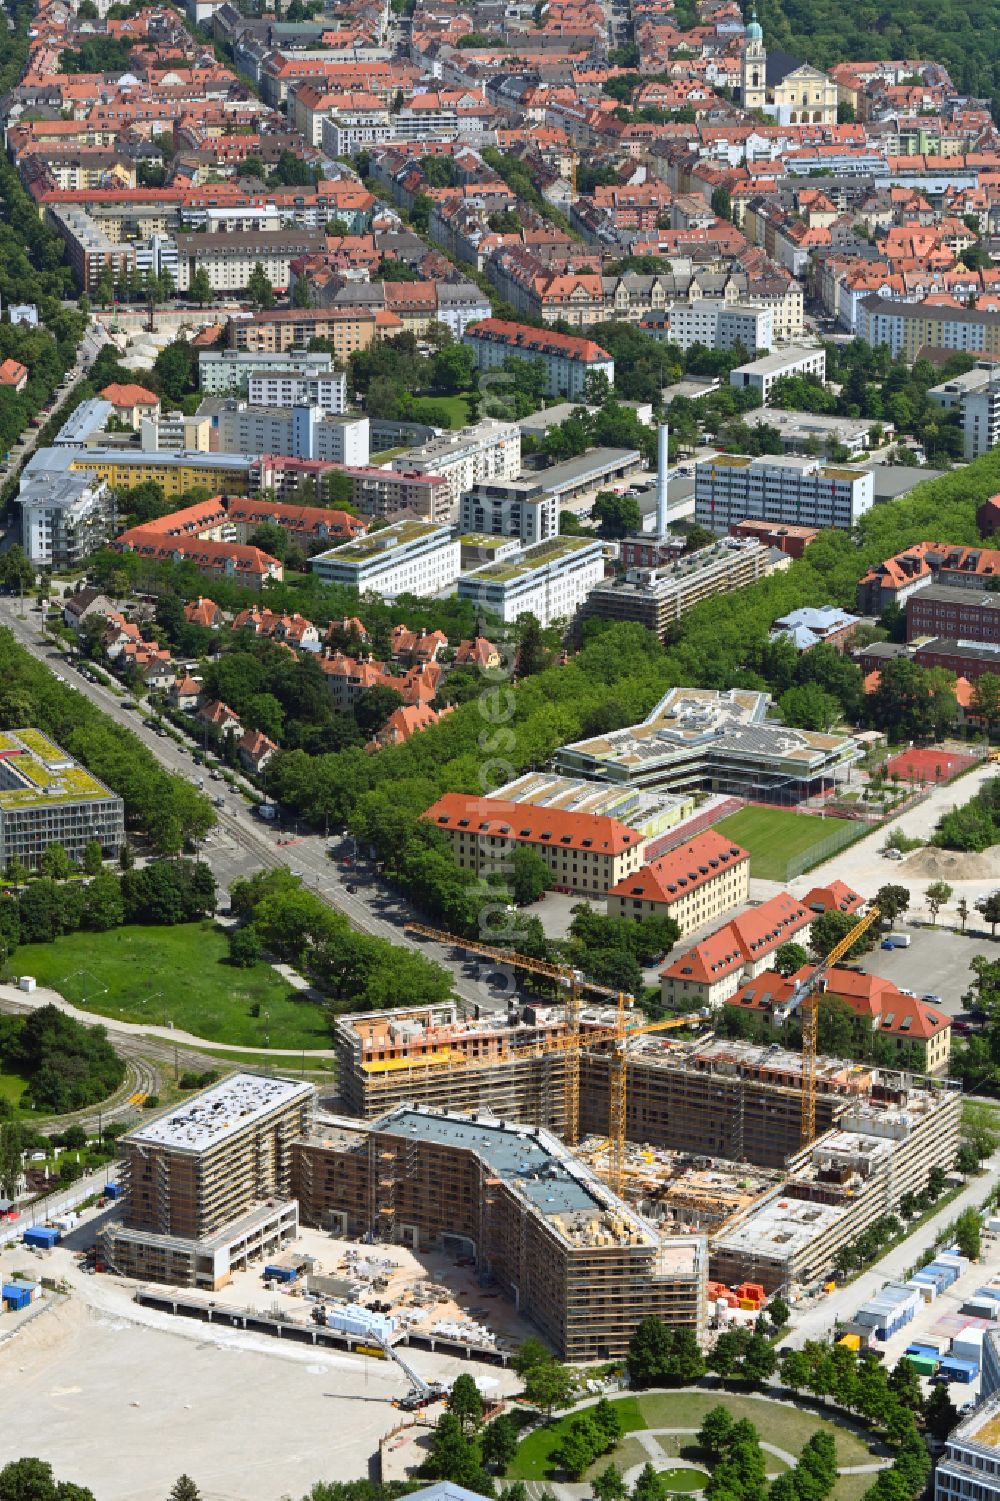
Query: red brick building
x,y
792,540
958,614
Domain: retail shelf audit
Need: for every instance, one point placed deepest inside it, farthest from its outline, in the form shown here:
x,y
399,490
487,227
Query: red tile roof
x,y
552,827
897,1015
756,932
682,870
130,396
538,340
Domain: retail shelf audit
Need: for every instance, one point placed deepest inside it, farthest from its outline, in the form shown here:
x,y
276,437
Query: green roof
x,y
38,773
532,558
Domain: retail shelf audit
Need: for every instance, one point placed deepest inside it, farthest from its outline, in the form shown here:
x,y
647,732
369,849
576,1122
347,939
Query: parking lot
x,y
936,962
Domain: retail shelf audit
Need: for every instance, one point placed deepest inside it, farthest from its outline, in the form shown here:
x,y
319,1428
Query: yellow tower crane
x,y
809,1009
572,1041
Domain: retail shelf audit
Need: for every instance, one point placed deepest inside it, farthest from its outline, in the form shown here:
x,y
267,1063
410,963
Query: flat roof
x,y
384,541
533,558
220,1112
769,364
35,772
596,462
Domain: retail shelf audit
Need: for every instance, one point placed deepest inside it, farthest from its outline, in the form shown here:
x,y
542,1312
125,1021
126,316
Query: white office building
x,y
230,259
779,488
223,372
290,388
298,432
716,324
970,1467
977,396
760,375
550,580
411,557
488,450
157,256
517,508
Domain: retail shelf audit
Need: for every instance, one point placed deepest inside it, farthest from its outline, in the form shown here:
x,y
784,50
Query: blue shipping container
x,y
281,1273
41,1235
16,1297
112,1191
953,1369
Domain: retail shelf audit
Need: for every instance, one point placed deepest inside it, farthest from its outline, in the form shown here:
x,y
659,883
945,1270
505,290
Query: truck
x,y
897,941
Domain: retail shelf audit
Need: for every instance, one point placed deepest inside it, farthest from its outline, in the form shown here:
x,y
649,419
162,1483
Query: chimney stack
x,y
662,466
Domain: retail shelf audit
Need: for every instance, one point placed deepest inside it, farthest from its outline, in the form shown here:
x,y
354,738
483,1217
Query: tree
x,y
530,876
722,203
259,288
986,699
937,895
609,1423
184,1489
56,863
201,287
92,857
301,293
374,707
891,900
905,1384
609,1485
10,1160
531,653
649,1352
778,1311
617,515
498,1443
103,905
549,1385
454,369
244,947
580,1446
940,1412
452,1454
648,1485
716,1427
104,287
808,707
968,1233
466,1402
790,957
32,1480
833,926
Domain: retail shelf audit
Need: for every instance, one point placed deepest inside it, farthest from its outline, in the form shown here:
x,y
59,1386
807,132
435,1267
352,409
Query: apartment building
x,y
921,565
208,1185
715,324
376,492
517,508
586,853
46,798
301,432
549,580
89,247
568,360
657,598
229,259
694,883
343,132
488,450
720,741
292,388
226,372
408,557
64,517
712,971
579,1262
976,395
176,470
779,488
760,375
307,525
283,329
907,327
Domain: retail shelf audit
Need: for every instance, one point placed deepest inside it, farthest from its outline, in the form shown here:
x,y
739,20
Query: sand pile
x,y
952,865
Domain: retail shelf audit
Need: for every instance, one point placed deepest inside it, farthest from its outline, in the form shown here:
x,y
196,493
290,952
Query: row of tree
x,y
67,1066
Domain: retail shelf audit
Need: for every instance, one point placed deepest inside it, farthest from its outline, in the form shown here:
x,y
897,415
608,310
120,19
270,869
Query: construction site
x,y
589,1164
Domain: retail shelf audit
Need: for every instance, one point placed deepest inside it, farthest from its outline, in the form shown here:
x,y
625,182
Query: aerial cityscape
x,y
499,750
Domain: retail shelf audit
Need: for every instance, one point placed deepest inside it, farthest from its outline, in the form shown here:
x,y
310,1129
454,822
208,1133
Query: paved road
x,y
88,349
816,1321
244,843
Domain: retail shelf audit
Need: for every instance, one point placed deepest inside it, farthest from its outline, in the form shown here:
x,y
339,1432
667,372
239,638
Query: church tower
x,y
754,66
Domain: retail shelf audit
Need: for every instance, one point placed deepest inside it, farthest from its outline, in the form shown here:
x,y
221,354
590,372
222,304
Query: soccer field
x,y
774,837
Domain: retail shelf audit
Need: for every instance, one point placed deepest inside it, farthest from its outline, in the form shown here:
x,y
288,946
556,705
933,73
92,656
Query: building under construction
x,y
716,1125
531,1214
714,1098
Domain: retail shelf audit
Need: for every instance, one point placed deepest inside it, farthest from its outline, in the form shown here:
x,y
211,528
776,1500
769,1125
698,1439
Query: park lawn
x,y
457,408
778,1423
531,1462
774,836
181,975
12,1087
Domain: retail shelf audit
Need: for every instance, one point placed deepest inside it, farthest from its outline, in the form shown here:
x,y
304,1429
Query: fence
x,y
847,833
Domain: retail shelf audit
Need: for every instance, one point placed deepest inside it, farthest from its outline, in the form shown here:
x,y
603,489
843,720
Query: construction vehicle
x,y
421,1394
808,999
573,1040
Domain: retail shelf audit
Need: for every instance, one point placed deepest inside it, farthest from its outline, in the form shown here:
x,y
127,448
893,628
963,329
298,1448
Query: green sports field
x,y
774,837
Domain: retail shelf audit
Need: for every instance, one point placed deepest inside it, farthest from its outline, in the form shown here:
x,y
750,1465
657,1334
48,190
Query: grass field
x,y
456,406
774,836
180,975
784,1426
12,1086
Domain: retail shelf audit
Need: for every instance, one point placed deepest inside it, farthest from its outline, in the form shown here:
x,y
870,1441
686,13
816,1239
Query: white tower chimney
x,y
662,466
